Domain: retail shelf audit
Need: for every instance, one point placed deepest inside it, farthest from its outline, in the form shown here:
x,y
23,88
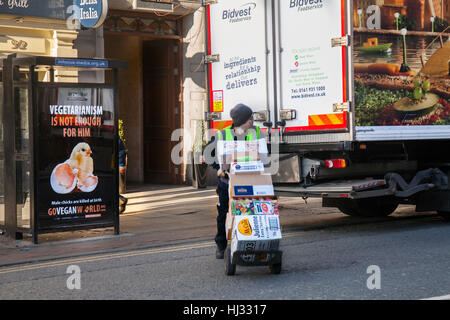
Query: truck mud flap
x,y
289,169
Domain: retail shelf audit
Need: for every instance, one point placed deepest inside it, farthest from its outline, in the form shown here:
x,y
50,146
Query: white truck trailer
x,y
358,103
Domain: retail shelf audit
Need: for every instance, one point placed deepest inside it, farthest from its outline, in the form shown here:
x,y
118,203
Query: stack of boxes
x,y
252,221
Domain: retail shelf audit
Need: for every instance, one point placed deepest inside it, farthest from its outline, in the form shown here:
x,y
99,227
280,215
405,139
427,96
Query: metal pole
x,y
404,50
34,150
275,57
9,148
116,152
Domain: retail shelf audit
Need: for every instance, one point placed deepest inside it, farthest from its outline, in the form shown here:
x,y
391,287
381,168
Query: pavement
x,y
162,215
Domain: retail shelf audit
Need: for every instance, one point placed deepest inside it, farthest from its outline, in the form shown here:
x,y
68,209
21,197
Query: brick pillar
x,y
63,46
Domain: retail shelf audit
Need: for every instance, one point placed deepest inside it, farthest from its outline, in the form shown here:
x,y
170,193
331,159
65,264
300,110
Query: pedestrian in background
x,y
123,161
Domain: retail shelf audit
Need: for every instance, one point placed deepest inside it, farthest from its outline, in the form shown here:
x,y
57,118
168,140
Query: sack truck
x,y
357,104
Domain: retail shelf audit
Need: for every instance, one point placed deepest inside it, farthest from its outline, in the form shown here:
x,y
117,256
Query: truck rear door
x,y
238,55
315,71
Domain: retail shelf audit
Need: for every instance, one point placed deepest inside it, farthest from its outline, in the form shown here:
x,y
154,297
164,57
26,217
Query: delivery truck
x,y
352,95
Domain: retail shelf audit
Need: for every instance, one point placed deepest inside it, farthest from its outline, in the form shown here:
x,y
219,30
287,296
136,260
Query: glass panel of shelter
x,y
23,116
23,167
2,157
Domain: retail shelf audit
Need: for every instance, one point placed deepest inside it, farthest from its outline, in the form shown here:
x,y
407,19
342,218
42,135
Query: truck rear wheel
x,y
370,207
348,210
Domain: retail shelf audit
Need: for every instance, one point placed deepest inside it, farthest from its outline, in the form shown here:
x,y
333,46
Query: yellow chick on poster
x,y
81,159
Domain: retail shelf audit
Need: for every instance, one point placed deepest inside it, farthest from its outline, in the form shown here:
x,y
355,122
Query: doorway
x,y
161,104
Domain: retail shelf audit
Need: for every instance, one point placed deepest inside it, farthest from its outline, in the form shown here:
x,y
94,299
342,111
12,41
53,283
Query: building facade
x,y
162,94
31,28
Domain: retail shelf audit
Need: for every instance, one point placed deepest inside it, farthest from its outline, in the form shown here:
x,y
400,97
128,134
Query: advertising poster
x,y
76,156
401,56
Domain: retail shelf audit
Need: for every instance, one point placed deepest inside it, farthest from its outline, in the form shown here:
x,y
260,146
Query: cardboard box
x,y
243,156
246,207
229,224
251,185
256,233
267,207
242,207
230,147
241,150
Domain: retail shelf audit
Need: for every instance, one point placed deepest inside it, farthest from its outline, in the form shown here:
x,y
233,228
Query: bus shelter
x,y
58,146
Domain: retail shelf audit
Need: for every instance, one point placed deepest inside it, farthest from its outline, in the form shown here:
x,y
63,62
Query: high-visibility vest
x,y
229,135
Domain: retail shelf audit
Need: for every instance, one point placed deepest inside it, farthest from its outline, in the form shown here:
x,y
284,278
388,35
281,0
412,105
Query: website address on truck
x,y
311,92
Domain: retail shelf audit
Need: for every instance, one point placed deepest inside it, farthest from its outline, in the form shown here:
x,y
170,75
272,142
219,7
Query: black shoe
x,y
122,204
220,253
123,199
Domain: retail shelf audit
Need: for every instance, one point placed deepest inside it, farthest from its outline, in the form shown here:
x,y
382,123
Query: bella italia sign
x,y
90,13
86,13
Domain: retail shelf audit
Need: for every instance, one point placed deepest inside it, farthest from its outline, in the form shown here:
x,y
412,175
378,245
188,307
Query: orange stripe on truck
x,y
219,125
315,121
326,119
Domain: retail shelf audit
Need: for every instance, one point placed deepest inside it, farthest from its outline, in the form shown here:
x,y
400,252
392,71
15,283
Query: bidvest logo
x,y
241,190
243,13
306,5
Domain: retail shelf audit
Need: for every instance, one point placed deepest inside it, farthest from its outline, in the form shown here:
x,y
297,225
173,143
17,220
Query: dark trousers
x,y
222,209
122,182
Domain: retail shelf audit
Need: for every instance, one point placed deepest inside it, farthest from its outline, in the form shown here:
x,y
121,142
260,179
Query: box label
x,y
263,207
242,207
253,190
257,227
218,101
243,190
244,227
263,190
247,167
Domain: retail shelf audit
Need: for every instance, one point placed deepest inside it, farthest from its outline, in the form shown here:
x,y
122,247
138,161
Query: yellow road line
x,y
119,255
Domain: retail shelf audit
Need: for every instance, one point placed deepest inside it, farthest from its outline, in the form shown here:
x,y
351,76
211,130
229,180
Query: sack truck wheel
x,y
230,269
275,268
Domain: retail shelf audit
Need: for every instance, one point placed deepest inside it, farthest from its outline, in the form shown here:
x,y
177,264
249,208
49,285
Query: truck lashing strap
x,y
398,187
